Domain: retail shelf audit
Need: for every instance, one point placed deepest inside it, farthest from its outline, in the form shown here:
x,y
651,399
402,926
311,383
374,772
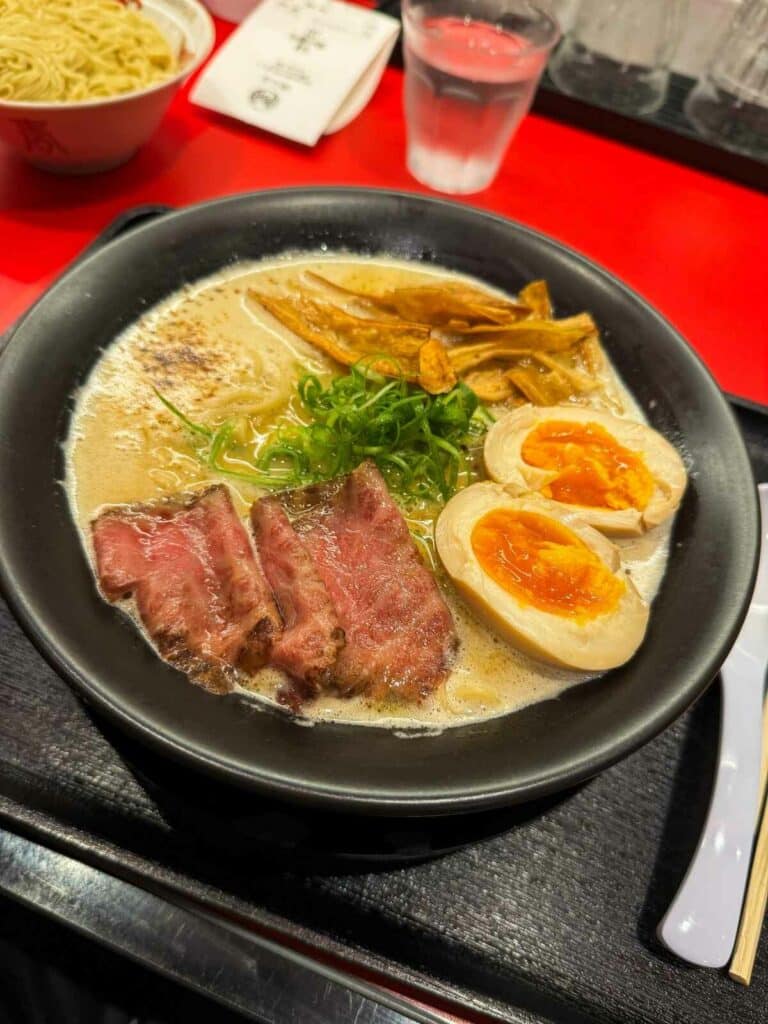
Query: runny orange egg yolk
x,y
542,563
595,470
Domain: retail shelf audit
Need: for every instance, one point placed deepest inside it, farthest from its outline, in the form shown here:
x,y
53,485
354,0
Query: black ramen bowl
x,y
359,769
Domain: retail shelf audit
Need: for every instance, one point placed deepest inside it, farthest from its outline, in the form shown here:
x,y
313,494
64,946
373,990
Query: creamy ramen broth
x,y
218,357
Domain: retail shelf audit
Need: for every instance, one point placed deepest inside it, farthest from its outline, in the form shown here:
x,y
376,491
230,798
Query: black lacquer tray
x,y
543,912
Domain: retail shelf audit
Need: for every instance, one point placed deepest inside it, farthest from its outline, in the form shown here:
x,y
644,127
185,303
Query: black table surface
x,y
549,916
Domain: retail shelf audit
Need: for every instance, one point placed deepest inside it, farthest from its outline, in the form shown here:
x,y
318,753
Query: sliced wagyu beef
x,y
399,634
312,636
335,593
199,590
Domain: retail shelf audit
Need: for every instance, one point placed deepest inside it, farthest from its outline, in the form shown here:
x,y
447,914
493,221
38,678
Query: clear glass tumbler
x,y
619,51
729,104
471,70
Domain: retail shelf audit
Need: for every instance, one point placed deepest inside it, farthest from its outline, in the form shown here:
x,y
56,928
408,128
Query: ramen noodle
x,y
74,50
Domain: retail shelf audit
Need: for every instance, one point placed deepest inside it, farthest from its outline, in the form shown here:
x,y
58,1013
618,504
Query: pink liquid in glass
x,y
468,86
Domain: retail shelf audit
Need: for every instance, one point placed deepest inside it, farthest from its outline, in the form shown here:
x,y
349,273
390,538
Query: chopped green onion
x,y
196,428
425,445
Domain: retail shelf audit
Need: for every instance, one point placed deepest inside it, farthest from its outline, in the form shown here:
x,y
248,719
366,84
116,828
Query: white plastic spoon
x,y
700,925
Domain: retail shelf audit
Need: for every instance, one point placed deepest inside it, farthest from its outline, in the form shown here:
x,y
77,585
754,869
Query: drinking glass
x,y
730,102
619,51
471,70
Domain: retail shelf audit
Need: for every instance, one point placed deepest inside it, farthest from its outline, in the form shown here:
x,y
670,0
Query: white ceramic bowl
x,y
95,135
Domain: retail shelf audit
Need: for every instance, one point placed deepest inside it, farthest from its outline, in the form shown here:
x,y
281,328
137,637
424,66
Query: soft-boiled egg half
x,y
623,477
542,577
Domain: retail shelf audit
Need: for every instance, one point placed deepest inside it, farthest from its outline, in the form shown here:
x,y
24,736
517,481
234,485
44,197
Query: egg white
x,y
600,643
504,463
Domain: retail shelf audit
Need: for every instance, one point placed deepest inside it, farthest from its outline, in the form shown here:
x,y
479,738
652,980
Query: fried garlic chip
x,y
536,297
491,385
435,371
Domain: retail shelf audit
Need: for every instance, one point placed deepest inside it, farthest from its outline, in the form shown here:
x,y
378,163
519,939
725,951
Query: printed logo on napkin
x,y
292,63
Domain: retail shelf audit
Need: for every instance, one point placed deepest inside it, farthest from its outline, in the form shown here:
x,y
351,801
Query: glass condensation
x,y
472,67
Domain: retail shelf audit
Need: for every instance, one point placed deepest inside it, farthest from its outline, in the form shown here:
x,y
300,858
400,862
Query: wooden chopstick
x,y
753,913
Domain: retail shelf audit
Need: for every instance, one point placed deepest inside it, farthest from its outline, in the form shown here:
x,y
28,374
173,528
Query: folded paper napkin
x,y
299,68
